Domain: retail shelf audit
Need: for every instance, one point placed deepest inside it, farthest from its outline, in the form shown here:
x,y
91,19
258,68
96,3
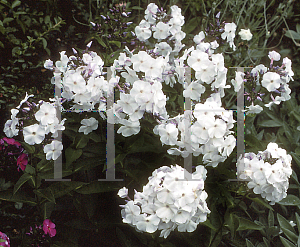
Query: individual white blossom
x,y
34,134
53,150
273,55
88,125
245,34
271,81
253,109
229,34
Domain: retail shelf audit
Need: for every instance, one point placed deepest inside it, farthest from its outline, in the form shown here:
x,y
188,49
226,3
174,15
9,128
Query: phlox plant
x,y
147,81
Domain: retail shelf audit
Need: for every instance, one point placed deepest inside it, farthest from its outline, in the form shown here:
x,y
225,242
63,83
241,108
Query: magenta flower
x,y
11,141
49,227
4,240
22,161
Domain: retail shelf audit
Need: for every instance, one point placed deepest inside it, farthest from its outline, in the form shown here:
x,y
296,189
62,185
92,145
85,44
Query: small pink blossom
x,y
49,227
4,240
22,161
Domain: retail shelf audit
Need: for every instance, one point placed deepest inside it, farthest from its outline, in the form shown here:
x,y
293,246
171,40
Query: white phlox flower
x,y
88,125
168,201
268,172
53,150
245,34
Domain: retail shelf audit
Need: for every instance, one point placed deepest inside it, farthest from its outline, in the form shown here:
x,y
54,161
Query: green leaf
x,y
271,218
29,148
284,224
81,141
46,193
97,187
298,28
249,244
95,137
288,132
290,200
297,220
117,43
191,25
22,180
20,196
296,158
230,222
100,41
291,236
245,224
8,19
29,169
15,3
44,42
208,224
270,123
262,202
286,242
137,7
292,33
72,155
47,209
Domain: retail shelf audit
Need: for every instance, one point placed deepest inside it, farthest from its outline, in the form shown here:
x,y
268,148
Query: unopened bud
x,y
89,44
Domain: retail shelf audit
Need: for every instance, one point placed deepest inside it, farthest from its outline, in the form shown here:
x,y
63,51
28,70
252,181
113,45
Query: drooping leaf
x,y
22,180
290,200
72,155
249,244
20,196
296,158
292,33
284,224
16,3
29,148
271,218
245,224
270,123
45,193
262,202
286,243
97,187
47,209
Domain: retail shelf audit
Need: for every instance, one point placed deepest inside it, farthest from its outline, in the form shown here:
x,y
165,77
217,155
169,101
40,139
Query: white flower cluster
x,y
35,133
274,79
210,137
268,172
168,201
209,68
145,96
156,22
82,79
144,72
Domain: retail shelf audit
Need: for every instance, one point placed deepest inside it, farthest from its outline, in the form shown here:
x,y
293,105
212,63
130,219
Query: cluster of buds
x,y
114,26
215,29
